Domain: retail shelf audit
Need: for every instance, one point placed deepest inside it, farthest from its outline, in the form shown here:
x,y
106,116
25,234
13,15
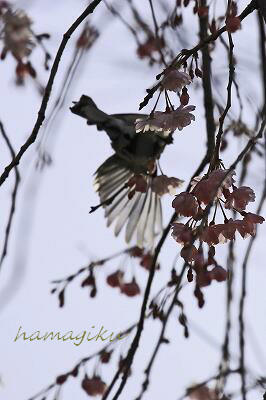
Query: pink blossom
x,y
163,184
93,386
138,183
175,80
207,189
189,253
186,204
181,233
130,289
219,274
240,198
166,122
247,226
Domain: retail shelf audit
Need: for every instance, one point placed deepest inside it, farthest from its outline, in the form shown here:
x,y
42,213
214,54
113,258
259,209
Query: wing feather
x,y
140,215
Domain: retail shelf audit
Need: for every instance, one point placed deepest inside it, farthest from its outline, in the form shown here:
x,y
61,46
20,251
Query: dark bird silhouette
x,y
135,153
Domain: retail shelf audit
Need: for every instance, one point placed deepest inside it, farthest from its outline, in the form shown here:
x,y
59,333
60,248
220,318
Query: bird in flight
x,y
127,182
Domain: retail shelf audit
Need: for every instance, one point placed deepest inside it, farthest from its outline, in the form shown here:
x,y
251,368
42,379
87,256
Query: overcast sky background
x,y
54,235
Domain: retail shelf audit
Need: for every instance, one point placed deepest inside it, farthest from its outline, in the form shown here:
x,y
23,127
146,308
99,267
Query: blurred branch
x,y
156,29
84,43
41,114
13,196
116,13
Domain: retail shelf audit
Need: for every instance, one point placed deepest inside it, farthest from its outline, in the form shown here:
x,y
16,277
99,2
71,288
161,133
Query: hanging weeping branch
x,y
41,114
13,196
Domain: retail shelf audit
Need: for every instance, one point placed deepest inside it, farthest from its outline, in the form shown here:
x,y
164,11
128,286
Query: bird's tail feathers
x,y
141,215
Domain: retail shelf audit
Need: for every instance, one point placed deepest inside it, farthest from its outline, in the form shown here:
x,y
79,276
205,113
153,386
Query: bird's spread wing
x,y
141,215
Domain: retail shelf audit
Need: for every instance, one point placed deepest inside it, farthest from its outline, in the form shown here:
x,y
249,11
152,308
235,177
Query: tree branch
x,y
41,113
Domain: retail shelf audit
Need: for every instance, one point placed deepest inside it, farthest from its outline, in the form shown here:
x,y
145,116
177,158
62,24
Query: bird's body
x,y
134,153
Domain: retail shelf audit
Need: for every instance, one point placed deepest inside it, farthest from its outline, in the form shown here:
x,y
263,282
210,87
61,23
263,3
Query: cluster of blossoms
x,y
160,184
131,289
93,385
165,123
217,187
19,40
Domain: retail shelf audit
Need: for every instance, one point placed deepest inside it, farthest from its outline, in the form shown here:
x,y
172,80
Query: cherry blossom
x,y
247,226
207,189
163,184
219,273
93,386
166,122
137,183
130,289
181,233
240,197
189,253
233,24
115,279
175,80
186,204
